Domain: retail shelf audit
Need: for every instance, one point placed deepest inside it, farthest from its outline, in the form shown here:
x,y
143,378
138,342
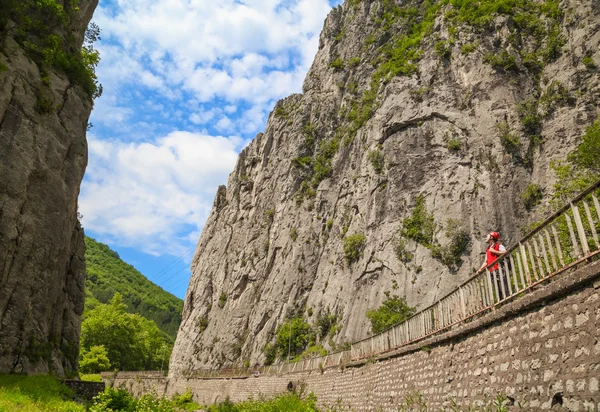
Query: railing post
x,y
544,254
591,222
490,287
525,265
551,249
596,204
573,238
580,230
538,255
558,246
533,257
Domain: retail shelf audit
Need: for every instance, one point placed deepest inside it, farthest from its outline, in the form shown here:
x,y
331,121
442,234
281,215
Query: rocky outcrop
x,y
43,155
381,127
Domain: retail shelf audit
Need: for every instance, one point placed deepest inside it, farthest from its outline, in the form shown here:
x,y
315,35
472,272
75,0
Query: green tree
x,y
393,310
131,341
301,336
95,360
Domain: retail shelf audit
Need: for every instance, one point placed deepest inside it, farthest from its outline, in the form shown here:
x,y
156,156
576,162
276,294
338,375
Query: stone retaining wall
x,y
85,390
542,350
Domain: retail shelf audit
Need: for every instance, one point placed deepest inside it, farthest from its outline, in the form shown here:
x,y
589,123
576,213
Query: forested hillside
x,y
108,274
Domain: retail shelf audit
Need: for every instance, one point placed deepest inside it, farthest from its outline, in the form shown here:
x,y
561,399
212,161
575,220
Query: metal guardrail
x,y
563,241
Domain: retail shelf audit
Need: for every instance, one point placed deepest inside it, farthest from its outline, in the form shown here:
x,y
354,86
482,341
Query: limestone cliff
x,y
45,102
410,109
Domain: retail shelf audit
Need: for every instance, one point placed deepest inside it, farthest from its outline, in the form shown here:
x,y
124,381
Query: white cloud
x,y
144,194
224,125
174,64
227,49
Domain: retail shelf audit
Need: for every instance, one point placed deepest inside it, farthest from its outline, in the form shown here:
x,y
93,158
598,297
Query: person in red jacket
x,y
494,250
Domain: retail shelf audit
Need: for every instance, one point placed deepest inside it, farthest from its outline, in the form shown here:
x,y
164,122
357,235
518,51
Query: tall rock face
x,y
43,155
419,123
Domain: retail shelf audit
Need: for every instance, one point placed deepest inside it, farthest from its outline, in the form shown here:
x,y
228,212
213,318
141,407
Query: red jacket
x,y
491,257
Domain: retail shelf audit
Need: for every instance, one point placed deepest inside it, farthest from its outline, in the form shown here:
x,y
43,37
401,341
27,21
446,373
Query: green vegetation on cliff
x,y
44,29
392,311
108,274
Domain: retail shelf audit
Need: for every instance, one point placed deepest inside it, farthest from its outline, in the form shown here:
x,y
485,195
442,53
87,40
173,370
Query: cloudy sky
x,y
187,84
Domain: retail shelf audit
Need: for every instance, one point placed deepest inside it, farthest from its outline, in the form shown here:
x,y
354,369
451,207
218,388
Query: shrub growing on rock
x,y
353,247
393,310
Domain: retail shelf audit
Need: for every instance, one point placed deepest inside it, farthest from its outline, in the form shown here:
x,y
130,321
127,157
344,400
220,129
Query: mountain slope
x,y
421,126
107,274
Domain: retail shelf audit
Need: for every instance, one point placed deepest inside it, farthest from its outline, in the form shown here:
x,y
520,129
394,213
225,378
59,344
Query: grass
x,y
35,393
90,377
288,402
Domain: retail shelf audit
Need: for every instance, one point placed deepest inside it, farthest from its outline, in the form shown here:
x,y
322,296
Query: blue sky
x,y
187,84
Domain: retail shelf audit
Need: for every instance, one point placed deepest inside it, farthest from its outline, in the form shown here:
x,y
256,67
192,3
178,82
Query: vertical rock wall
x,y
354,152
43,156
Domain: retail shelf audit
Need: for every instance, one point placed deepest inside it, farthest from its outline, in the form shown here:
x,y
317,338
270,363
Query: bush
x,y
301,337
468,48
294,234
289,402
270,214
353,247
453,145
353,62
532,196
302,162
587,153
503,60
202,324
392,311
326,321
337,64
420,226
185,400
282,111
113,399
451,253
420,93
376,158
555,95
589,62
270,352
402,254
222,299
443,48
510,142
531,120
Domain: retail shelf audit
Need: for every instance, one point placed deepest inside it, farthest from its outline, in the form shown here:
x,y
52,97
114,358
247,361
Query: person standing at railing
x,y
494,250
